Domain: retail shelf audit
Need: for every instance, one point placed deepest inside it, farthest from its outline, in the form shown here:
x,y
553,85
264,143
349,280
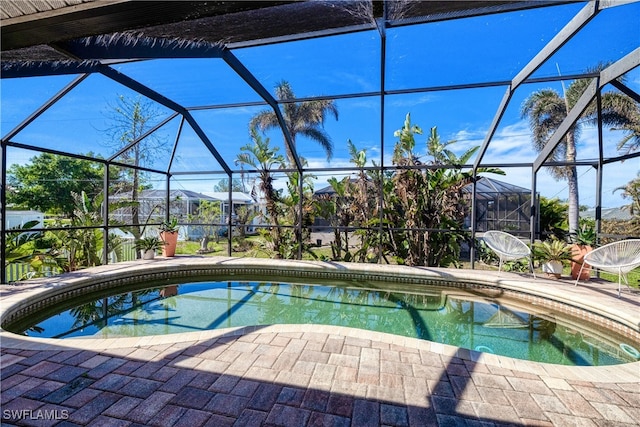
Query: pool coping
x,y
599,298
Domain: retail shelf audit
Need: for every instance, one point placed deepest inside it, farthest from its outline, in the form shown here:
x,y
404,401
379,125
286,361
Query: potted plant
x,y
553,254
149,246
169,235
583,242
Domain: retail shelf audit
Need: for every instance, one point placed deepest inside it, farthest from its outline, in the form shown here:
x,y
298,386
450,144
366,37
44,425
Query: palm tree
x,y
546,109
631,141
632,191
301,118
262,157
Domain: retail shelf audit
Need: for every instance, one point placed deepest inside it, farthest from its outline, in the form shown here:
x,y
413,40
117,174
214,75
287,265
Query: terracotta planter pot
x,y
171,241
577,258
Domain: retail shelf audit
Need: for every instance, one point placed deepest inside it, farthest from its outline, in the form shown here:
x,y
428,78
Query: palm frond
x,y
264,120
320,137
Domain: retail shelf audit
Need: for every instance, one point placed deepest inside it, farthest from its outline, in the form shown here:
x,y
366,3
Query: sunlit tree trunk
x,y
572,184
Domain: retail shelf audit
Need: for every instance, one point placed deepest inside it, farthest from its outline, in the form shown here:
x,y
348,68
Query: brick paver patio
x,y
295,379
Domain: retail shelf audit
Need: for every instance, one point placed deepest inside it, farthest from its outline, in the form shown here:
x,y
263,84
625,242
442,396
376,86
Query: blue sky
x,y
473,50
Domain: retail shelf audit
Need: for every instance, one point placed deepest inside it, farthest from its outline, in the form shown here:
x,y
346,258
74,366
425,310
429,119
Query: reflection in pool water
x,y
434,314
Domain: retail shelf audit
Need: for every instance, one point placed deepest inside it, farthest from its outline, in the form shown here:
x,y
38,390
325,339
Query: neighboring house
x,y
238,199
320,224
152,208
184,205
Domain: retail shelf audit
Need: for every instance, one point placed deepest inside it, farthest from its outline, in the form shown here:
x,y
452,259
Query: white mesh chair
x,y
617,257
508,247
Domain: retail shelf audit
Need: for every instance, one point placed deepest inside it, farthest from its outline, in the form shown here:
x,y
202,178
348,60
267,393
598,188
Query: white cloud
x,y
412,102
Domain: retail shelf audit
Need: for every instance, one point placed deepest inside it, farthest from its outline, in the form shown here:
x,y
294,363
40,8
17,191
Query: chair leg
x,y
619,283
531,267
626,282
579,274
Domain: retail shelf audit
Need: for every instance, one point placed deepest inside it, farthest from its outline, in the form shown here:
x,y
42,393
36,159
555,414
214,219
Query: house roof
x,y
329,189
622,213
161,194
236,196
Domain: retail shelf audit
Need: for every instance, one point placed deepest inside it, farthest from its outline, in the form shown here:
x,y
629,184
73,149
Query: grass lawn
x,y
633,276
220,249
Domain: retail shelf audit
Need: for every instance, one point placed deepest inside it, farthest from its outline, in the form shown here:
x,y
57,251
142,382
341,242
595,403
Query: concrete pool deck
x,y
308,374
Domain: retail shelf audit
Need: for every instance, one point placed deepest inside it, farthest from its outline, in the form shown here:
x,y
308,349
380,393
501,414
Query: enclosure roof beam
x,y
251,80
622,158
581,19
161,99
53,151
626,90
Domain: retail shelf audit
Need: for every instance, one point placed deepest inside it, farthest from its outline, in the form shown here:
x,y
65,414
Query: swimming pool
x,y
596,303
480,320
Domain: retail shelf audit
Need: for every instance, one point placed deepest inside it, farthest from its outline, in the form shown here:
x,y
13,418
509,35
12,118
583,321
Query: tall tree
x,y
130,119
49,180
261,156
546,109
631,190
631,141
301,118
223,185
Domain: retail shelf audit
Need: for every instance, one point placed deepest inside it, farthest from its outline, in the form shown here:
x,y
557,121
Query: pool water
x,y
436,314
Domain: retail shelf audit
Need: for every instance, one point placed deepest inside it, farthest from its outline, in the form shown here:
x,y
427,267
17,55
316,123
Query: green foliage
x,y
244,216
631,227
553,218
223,185
75,246
585,235
552,250
19,244
418,203
484,253
49,180
297,208
169,226
425,202
261,156
631,190
149,243
336,210
518,266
